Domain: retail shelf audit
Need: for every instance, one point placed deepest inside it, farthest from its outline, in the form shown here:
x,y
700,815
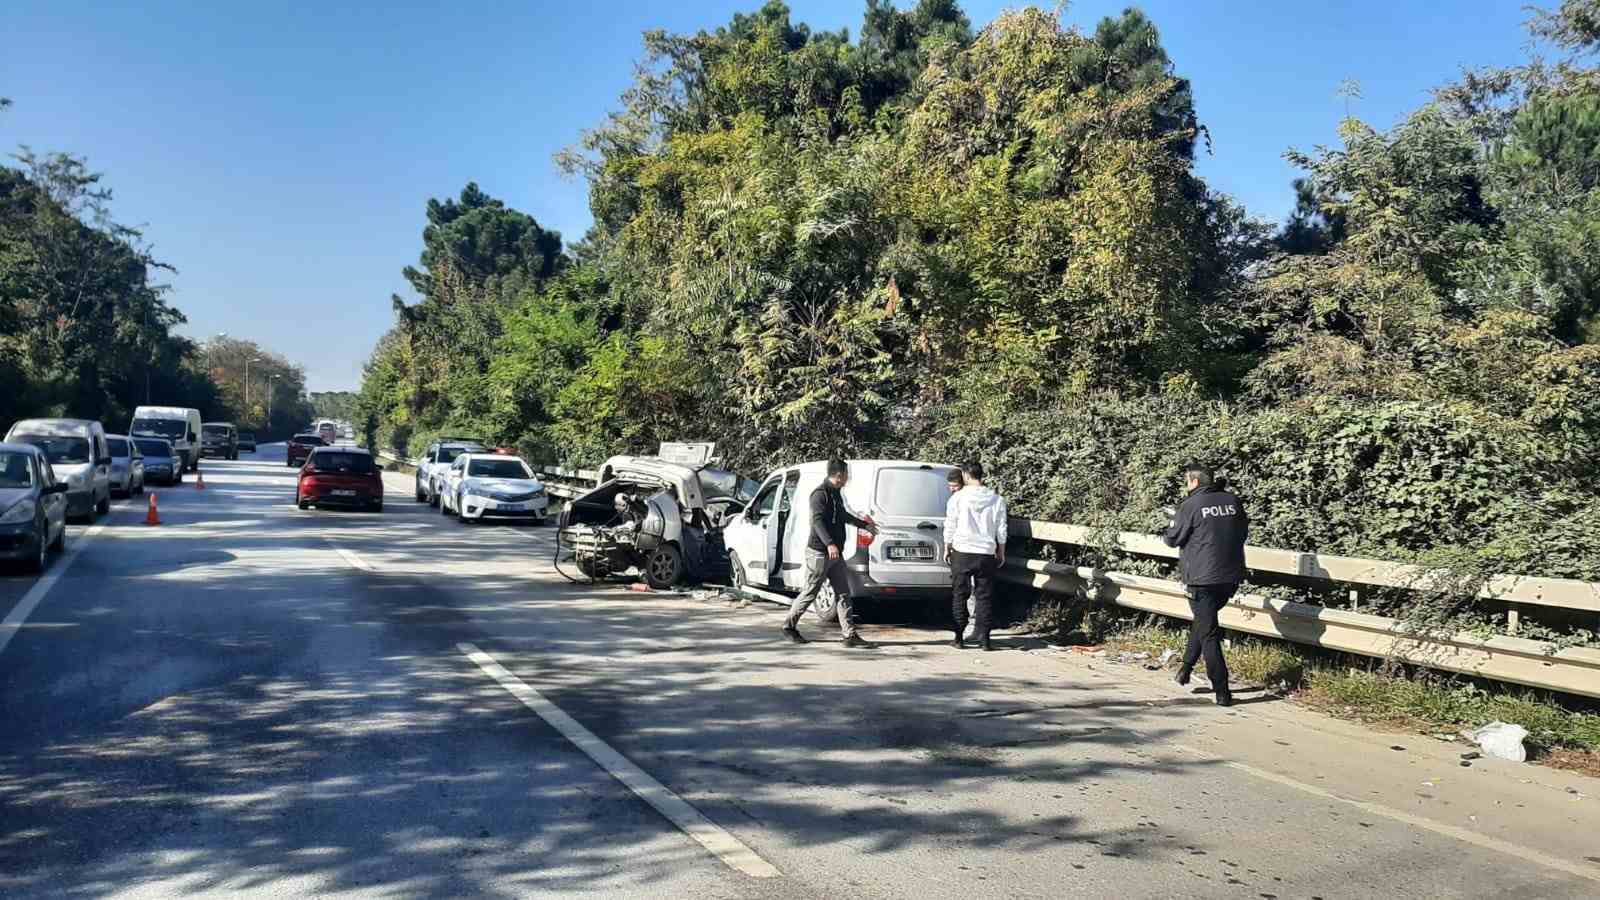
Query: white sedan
x,y
482,486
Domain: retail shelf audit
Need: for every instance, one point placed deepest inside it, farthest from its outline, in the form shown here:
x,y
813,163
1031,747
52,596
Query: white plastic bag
x,y
1502,741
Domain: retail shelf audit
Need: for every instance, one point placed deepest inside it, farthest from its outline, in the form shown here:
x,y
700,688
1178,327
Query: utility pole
x,y
271,389
247,361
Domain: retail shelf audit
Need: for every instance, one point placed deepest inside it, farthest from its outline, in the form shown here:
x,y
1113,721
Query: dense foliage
x,y
946,242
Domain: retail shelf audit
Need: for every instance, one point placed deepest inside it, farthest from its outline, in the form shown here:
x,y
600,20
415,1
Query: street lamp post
x,y
247,361
271,389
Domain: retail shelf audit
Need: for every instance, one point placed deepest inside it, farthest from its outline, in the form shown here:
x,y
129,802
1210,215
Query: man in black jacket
x,y
1210,529
825,555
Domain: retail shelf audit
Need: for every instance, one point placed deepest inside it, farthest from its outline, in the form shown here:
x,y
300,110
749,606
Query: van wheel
x,y
827,604
664,568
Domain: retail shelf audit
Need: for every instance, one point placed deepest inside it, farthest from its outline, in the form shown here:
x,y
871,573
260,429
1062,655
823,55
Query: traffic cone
x,y
199,481
151,517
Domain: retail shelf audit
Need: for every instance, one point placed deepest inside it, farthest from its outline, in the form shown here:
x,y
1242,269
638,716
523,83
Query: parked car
x,y
161,463
33,506
664,518
177,424
78,456
300,447
482,486
767,542
433,464
219,439
340,476
247,441
127,465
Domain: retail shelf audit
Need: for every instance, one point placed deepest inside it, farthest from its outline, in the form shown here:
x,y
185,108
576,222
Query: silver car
x,y
127,465
161,463
33,506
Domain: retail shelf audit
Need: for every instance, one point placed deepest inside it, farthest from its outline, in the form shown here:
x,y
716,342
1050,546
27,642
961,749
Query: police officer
x,y
1209,528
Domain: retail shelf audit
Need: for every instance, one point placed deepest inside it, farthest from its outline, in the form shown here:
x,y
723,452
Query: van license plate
x,y
921,551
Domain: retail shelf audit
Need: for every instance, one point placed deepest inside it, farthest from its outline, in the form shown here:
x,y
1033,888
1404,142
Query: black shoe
x,y
985,645
855,640
1224,698
1183,677
794,636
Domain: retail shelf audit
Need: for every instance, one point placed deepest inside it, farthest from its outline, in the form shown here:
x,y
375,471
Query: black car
x,y
247,441
219,439
300,447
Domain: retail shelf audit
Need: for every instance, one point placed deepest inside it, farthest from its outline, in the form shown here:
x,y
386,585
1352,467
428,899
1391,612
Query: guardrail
x,y
1502,658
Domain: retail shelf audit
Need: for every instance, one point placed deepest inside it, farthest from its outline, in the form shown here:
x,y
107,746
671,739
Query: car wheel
x,y
303,504
736,576
422,496
377,507
664,568
104,506
41,558
60,543
138,487
434,499
827,605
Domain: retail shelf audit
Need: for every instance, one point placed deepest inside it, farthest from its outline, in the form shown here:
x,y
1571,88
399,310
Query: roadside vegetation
x,y
933,238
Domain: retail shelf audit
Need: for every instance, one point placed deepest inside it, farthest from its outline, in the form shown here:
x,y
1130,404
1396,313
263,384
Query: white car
x,y
432,465
480,486
905,562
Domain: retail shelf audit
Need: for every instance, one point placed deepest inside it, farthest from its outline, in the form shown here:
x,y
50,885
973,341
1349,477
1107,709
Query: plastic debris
x,y
1168,656
1502,740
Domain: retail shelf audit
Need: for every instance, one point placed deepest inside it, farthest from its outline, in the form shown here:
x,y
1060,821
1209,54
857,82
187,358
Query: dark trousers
x,y
1205,635
972,575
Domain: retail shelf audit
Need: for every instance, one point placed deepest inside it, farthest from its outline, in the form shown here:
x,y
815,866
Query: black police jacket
x,y
1210,529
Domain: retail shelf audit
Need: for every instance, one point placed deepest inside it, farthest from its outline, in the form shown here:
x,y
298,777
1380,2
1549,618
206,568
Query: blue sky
x,y
281,153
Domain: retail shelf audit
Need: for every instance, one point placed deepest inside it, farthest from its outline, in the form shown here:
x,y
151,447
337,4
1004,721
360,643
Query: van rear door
x,y
908,503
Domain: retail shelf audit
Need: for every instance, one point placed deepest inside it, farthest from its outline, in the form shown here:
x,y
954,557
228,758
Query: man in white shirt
x,y
975,547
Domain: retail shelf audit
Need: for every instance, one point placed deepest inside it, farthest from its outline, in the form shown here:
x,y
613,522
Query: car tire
x,y
37,563
422,496
826,606
663,569
104,506
60,543
303,504
433,499
377,507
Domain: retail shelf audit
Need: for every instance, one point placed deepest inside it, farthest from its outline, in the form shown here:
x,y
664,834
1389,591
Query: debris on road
x,y
1502,740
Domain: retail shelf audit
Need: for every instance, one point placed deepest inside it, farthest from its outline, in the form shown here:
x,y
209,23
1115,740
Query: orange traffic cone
x,y
151,517
199,481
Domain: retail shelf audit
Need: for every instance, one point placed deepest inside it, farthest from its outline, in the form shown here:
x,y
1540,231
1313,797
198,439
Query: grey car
x,y
33,506
127,465
161,462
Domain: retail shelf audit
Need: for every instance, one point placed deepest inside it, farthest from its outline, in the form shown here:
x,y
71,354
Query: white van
x,y
79,456
178,425
767,541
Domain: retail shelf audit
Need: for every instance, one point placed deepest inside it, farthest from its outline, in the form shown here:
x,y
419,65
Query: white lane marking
x,y
723,845
1461,834
25,606
351,558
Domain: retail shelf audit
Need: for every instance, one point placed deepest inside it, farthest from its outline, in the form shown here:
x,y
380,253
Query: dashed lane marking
x,y
709,835
1527,854
723,845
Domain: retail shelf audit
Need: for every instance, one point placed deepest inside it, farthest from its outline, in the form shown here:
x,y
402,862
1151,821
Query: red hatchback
x,y
340,476
299,448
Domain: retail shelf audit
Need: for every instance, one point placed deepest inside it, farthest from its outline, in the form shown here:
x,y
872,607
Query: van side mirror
x,y
59,487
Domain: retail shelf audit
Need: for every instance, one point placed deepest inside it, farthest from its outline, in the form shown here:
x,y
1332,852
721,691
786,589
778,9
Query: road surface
x,y
256,700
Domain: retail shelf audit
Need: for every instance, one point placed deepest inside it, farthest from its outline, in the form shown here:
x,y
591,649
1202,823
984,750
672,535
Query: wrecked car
x,y
660,517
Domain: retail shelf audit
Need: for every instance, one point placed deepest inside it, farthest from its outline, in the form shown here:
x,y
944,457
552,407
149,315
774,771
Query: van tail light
x,y
863,538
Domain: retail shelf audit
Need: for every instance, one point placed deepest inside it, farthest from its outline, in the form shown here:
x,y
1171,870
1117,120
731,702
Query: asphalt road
x,y
251,699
